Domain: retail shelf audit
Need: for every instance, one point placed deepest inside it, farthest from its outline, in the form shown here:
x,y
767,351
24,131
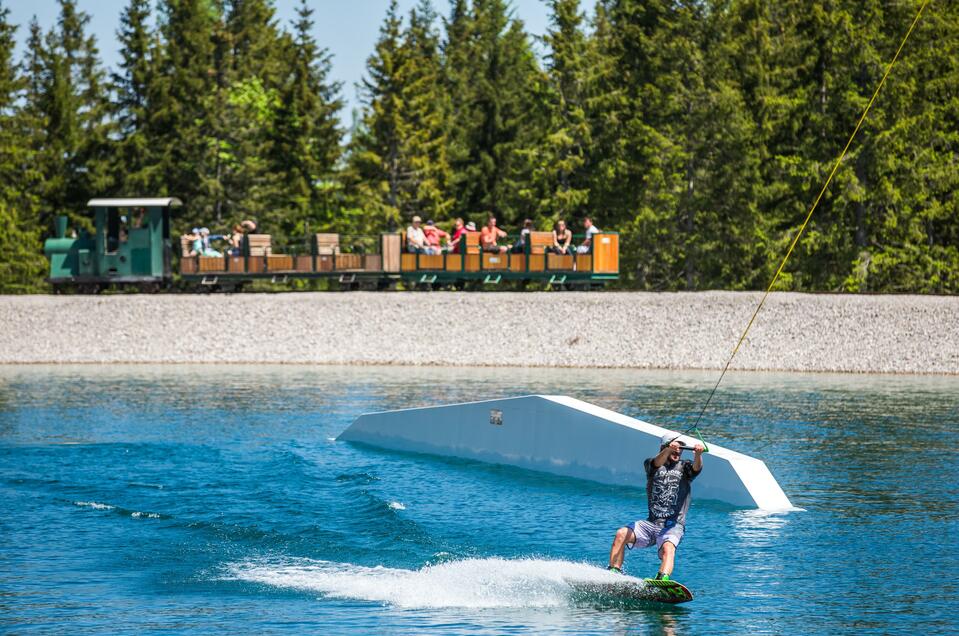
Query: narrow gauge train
x,y
131,246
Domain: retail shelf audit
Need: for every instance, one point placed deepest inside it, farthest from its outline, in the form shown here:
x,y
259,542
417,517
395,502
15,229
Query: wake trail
x,y
469,583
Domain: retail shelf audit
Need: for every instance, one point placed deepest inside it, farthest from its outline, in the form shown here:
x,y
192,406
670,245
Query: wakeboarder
x,y
668,492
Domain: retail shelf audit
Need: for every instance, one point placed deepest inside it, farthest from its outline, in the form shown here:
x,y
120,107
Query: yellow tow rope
x,y
809,216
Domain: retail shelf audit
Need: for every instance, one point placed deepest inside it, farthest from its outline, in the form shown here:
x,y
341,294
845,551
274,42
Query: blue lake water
x,y
215,499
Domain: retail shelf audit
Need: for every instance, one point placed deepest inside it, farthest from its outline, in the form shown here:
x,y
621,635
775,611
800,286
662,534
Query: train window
x,y
116,229
113,230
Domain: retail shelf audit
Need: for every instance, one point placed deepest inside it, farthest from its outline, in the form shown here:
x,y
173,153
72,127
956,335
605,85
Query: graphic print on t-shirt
x,y
665,491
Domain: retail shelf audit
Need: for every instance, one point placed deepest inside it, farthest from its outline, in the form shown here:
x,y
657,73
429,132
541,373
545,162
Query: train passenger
x,y
520,246
562,237
434,237
588,241
458,231
196,243
416,238
235,240
205,247
490,234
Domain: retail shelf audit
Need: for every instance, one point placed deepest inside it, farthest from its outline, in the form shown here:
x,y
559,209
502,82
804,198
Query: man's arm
x,y
660,459
698,458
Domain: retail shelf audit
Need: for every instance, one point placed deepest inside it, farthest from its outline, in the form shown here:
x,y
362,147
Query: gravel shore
x,y
794,332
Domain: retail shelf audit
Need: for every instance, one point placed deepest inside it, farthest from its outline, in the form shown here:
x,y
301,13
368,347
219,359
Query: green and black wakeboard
x,y
630,589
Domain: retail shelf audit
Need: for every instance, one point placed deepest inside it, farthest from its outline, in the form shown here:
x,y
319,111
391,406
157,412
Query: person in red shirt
x,y
489,235
434,237
458,231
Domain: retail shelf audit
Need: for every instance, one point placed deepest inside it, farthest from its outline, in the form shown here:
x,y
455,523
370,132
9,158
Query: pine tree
x,y
21,261
400,150
307,136
66,109
425,112
186,79
906,213
253,37
559,185
377,172
638,175
499,111
134,156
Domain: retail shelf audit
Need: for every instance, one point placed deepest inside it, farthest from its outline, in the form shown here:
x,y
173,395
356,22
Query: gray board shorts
x,y
647,533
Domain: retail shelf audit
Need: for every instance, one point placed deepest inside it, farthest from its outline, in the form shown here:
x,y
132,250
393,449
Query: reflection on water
x,y
134,488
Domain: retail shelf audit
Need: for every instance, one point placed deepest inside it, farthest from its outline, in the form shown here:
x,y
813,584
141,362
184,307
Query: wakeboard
x,y
630,590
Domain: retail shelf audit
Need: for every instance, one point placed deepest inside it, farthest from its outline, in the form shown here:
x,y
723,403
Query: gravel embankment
x,y
794,332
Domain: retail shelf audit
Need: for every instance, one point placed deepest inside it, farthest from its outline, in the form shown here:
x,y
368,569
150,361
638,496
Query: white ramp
x,y
564,436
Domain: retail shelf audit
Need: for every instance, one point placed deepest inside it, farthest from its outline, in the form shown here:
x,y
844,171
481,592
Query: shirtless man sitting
x,y
489,235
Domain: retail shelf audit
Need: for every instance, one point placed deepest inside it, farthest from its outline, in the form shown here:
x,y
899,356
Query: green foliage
x,y
701,130
398,155
306,136
21,261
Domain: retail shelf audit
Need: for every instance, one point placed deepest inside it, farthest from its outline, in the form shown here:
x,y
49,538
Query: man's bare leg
x,y
667,554
623,536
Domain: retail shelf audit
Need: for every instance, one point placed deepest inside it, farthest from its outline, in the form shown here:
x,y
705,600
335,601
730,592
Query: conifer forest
x,y
700,130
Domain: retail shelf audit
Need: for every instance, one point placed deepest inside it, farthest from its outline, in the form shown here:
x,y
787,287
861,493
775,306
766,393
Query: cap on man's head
x,y
204,230
429,222
667,439
471,226
417,219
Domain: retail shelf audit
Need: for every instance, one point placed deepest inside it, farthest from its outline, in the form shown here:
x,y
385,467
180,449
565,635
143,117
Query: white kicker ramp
x,y
564,436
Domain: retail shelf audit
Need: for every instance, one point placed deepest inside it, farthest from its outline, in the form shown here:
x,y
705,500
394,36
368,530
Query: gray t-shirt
x,y
668,490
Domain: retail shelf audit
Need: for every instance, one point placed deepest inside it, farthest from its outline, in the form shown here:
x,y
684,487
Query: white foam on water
x,y
93,504
395,505
146,515
470,583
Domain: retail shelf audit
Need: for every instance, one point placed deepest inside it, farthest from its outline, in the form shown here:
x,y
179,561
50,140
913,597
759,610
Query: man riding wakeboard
x,y
668,491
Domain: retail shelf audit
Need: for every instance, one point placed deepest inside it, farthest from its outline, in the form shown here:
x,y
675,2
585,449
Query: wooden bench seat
x,y
472,241
327,244
539,242
258,244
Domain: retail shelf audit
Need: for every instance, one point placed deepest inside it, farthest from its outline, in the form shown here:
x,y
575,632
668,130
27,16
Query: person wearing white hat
x,y
416,238
668,492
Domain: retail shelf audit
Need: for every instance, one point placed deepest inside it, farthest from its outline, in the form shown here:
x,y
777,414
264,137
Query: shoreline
x,y
814,333
398,365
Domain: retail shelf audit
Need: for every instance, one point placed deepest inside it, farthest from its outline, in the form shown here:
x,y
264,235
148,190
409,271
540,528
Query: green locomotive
x,y
130,246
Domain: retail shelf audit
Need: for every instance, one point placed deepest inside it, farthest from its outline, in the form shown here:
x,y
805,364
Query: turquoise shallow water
x,y
215,499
